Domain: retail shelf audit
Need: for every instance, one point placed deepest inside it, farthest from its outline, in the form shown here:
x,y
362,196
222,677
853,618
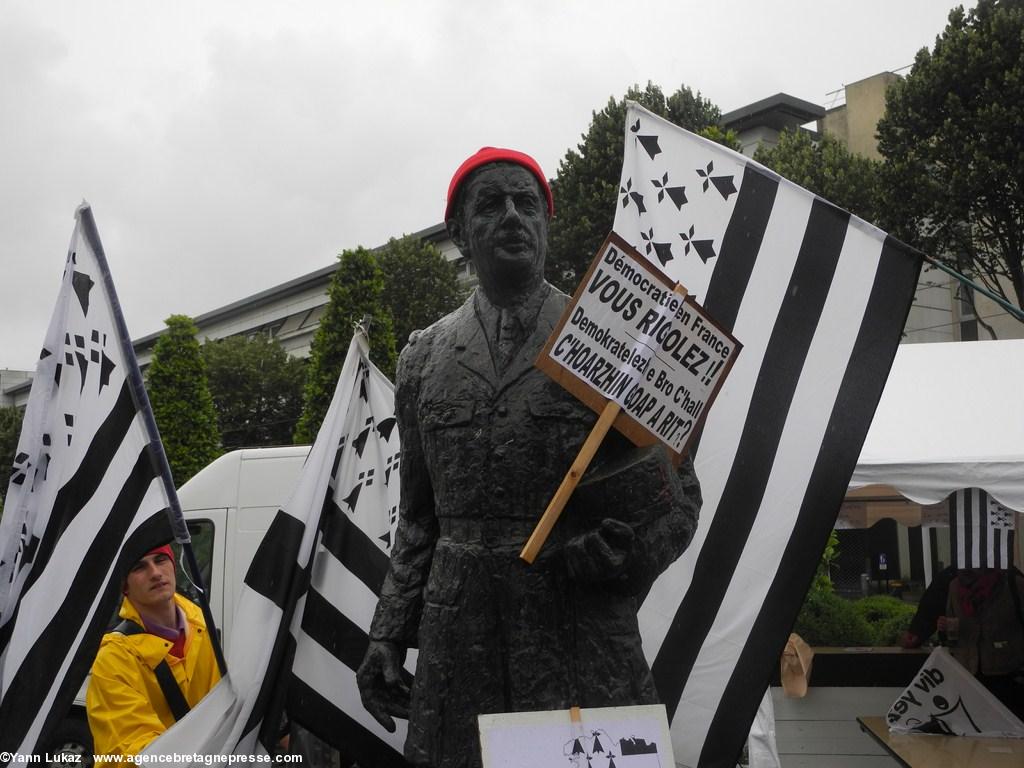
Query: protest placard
x,y
629,337
639,351
605,737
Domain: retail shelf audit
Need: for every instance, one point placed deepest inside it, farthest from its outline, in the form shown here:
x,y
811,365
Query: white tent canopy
x,y
951,417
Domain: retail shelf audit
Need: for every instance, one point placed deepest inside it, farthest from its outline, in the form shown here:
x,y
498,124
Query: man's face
x,y
504,225
150,583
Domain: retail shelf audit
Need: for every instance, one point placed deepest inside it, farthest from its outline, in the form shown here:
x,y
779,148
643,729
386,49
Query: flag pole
x,y
1014,311
157,456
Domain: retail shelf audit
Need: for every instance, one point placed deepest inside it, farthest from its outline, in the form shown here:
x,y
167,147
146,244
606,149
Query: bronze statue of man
x,y
486,440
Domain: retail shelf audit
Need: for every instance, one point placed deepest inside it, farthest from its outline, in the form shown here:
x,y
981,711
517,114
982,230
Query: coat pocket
x,y
441,415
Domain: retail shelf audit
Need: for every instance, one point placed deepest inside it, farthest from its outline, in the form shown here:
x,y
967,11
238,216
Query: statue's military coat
x,y
482,454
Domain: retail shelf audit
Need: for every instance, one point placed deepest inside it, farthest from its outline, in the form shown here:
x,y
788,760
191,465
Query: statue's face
x,y
504,226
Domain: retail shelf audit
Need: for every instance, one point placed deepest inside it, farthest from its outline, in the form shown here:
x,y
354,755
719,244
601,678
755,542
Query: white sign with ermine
x,y
631,337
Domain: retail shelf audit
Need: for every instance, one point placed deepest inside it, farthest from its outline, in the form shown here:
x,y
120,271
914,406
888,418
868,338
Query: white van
x,y
229,506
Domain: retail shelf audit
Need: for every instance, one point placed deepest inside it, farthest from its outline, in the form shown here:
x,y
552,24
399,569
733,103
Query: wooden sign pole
x,y
569,483
572,478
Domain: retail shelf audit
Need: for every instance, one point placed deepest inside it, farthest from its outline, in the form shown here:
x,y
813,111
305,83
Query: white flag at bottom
x,y
945,698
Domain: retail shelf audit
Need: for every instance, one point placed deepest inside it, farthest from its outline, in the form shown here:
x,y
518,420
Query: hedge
x,y
827,619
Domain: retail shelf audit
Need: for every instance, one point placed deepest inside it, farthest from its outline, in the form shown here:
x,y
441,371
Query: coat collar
x,y
152,649
473,350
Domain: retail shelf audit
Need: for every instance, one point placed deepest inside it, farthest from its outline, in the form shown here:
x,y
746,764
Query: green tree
x,y
823,575
256,389
954,147
420,285
182,404
10,430
356,290
827,168
587,184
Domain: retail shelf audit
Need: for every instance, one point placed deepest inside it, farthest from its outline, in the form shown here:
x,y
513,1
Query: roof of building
x,y
434,233
280,291
780,111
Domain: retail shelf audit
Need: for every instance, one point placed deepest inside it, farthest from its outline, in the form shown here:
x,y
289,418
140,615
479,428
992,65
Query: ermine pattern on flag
x,y
982,530
301,622
84,501
359,520
818,298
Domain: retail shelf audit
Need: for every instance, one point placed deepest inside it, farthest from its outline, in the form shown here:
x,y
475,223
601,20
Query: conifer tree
x,y
420,285
182,404
356,291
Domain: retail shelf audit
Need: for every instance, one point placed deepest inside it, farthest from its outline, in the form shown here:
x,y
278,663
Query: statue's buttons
x,y
502,410
499,492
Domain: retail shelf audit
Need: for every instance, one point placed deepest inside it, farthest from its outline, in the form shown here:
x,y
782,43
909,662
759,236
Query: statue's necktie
x,y
508,340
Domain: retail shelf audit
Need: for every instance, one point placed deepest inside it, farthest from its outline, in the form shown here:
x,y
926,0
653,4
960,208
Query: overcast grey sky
x,y
229,146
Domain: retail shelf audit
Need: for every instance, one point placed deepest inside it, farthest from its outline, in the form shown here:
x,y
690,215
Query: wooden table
x,y
919,750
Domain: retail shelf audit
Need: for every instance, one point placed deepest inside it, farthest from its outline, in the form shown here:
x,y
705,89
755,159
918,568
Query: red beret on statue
x,y
496,155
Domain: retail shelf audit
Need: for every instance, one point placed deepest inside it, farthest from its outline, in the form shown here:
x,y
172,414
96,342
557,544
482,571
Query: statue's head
x,y
499,205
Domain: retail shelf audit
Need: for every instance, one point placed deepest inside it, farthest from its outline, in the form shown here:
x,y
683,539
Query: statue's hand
x,y
602,554
381,687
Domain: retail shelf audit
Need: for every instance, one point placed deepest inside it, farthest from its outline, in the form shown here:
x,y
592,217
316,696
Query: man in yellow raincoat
x,y
155,665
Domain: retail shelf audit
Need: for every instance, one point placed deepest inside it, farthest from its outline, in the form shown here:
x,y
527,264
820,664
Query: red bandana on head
x,y
165,549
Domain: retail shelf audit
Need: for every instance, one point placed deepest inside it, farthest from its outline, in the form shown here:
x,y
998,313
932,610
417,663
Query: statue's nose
x,y
510,208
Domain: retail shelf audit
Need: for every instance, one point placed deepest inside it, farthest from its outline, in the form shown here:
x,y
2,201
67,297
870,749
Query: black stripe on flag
x,y
871,358
981,521
766,417
266,714
34,678
956,532
967,518
275,575
331,724
285,587
740,246
345,641
82,485
336,632
280,545
969,530
353,548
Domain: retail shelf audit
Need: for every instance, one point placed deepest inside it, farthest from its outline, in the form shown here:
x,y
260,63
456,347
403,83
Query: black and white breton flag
x,y
981,530
818,298
302,619
84,501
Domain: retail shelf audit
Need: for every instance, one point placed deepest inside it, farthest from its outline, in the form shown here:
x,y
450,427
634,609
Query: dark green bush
x,y
827,619
887,616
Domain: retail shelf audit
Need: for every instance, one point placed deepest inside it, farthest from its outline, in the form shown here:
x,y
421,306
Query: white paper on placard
x,y
605,737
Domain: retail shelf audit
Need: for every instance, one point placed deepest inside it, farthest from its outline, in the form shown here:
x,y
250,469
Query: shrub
x,y
827,619
887,616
